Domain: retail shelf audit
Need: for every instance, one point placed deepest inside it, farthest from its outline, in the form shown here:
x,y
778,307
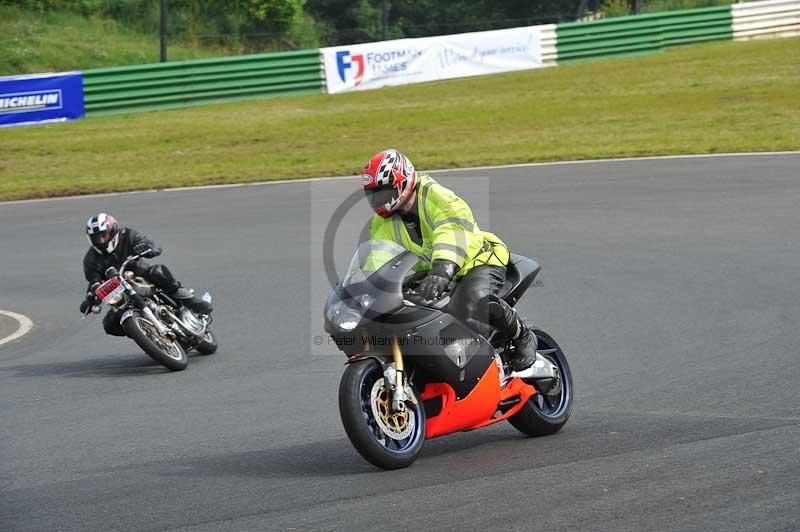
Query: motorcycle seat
x,y
520,273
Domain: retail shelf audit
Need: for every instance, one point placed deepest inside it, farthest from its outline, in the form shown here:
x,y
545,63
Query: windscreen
x,y
369,258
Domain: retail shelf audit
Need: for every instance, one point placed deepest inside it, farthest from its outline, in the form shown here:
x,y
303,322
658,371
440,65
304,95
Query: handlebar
x,y
132,258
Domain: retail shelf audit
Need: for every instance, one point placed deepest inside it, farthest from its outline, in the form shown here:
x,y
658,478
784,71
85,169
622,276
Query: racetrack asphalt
x,y
672,285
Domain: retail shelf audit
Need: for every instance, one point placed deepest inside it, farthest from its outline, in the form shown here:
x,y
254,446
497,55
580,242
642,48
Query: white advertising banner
x,y
373,65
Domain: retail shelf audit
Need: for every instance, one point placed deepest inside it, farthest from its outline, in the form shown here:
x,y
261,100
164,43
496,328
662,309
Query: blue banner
x,y
38,98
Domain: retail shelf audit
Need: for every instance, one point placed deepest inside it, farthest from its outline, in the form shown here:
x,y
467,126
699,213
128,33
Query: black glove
x,y
90,300
435,283
145,249
85,305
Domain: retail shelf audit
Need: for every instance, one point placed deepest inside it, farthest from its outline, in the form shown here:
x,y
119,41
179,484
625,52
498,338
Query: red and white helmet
x,y
389,180
102,232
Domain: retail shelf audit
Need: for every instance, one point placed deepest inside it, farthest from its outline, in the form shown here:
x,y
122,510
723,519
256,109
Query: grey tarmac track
x,y
673,286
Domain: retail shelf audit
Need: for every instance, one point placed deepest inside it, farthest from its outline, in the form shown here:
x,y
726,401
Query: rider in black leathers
x,y
110,246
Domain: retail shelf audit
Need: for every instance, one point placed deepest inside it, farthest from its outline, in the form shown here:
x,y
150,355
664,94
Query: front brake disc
x,y
396,425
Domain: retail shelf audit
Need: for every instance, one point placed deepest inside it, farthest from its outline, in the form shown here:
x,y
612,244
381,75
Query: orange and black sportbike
x,y
415,372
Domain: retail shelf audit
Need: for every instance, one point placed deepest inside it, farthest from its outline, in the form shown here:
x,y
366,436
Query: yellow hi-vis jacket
x,y
448,230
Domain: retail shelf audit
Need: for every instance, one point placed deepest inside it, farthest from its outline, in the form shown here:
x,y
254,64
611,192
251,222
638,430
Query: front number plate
x,y
109,289
112,295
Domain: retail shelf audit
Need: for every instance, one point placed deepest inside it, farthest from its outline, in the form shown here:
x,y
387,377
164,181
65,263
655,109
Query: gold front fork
x,y
396,354
399,395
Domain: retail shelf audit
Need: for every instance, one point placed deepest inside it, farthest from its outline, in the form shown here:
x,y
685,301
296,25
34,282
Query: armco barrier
x,y
760,20
184,83
548,46
637,34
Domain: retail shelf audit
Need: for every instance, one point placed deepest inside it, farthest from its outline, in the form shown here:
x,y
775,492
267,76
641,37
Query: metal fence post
x,y
385,20
163,31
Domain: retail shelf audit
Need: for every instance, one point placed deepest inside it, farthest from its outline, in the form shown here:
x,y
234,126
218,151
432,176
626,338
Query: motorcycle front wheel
x,y
167,352
386,439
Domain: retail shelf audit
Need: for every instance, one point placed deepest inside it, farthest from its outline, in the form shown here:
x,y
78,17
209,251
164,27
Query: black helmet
x,y
103,233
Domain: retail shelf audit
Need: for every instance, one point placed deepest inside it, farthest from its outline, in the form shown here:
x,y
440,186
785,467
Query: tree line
x,y
287,24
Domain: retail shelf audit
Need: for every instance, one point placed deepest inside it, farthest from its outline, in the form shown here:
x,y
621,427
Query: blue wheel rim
x,y
554,406
368,379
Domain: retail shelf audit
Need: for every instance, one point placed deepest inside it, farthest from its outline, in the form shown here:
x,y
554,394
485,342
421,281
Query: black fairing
x,y
378,321
424,350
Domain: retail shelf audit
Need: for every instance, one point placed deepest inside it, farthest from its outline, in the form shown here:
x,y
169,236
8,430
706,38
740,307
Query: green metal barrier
x,y
639,34
185,83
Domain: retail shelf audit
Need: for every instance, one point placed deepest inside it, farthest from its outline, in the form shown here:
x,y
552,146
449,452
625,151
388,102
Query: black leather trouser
x,y
476,298
158,274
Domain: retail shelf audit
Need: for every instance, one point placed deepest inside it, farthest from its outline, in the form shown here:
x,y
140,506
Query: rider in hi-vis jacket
x,y
433,222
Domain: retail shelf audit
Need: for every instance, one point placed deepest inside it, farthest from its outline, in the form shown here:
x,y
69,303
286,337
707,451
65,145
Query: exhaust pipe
x,y
541,369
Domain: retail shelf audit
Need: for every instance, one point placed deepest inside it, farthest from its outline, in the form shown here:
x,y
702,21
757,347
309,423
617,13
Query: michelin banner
x,y
373,65
38,98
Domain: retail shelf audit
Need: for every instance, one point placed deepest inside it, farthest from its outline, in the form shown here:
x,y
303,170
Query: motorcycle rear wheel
x,y
208,345
356,398
171,355
546,414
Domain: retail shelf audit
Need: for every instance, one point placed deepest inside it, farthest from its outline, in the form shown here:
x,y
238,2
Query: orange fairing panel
x,y
474,410
478,408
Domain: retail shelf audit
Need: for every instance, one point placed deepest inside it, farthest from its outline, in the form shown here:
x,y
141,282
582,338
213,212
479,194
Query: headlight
x,y
116,299
345,315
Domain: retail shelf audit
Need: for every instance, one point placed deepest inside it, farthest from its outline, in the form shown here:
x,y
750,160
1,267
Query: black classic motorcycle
x,y
160,325
415,372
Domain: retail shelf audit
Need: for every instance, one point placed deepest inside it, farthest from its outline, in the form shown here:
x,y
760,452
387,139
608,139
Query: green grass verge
x,y
58,41
719,97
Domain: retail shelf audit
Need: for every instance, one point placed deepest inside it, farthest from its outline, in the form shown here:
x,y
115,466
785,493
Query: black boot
x,y
192,302
525,345
503,317
162,277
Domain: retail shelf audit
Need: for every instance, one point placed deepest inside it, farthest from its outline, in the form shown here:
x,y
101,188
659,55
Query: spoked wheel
x,y
549,409
166,351
387,439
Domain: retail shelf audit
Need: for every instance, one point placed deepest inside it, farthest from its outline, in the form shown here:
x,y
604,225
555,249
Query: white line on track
x,y
25,325
301,180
